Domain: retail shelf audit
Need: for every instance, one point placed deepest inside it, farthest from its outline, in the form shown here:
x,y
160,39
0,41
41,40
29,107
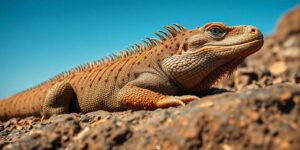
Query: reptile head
x,y
207,53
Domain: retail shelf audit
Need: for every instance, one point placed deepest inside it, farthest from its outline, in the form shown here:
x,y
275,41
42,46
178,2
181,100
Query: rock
x,y
286,96
277,68
278,80
292,41
84,118
282,46
292,52
245,120
297,77
289,24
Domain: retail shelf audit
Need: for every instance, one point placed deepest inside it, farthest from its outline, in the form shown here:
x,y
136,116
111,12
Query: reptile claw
x,y
176,100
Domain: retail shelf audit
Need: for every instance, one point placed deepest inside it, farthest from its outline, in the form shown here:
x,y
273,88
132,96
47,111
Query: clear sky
x,y
41,38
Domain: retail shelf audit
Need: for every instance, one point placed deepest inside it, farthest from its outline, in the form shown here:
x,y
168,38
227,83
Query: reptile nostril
x,y
253,30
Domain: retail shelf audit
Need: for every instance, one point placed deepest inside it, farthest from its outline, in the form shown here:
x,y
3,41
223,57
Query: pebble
x,y
277,68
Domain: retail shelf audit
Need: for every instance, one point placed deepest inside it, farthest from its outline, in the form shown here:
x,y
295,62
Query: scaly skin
x,y
146,77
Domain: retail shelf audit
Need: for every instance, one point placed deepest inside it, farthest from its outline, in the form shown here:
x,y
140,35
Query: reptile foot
x,y
169,101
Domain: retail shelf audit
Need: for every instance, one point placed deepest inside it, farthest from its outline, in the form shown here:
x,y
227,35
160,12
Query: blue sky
x,y
41,38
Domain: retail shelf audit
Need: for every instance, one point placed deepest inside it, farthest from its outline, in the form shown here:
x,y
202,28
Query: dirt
x,y
258,107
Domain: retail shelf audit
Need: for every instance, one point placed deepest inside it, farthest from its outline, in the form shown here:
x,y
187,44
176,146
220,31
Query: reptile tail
x,y
20,105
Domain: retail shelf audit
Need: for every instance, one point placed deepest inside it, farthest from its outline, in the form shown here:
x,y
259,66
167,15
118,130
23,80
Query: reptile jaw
x,y
226,69
244,48
231,56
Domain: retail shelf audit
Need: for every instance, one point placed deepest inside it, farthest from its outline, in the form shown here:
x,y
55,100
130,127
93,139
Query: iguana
x,y
148,75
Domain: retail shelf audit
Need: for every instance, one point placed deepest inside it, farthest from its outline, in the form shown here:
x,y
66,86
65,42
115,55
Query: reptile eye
x,y
216,32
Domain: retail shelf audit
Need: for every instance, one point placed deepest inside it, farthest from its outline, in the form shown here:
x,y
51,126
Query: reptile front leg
x,y
134,97
140,94
57,100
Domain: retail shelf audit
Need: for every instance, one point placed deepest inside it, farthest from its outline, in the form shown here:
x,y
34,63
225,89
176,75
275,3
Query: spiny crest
x,y
147,44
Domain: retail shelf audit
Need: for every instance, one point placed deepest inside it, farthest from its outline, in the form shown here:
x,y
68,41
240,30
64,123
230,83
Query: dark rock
x,y
297,77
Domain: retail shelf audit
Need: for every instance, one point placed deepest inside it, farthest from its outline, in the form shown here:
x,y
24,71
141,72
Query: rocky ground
x,y
258,107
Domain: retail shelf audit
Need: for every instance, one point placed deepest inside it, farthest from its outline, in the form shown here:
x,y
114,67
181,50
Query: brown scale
x,y
99,78
81,83
152,98
146,55
125,67
131,61
8,108
70,78
28,105
83,79
17,107
120,67
41,102
111,68
12,103
17,101
30,102
100,73
141,58
92,77
5,110
35,105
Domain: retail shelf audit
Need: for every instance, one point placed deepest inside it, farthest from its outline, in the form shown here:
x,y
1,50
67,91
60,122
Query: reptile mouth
x,y
252,45
240,43
240,52
248,48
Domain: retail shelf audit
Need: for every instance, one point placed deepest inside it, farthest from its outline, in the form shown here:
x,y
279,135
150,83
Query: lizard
x,y
147,75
